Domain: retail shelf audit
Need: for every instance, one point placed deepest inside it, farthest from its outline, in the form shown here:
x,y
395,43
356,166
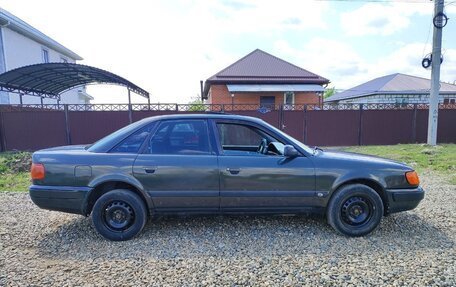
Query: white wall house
x,y
394,89
22,45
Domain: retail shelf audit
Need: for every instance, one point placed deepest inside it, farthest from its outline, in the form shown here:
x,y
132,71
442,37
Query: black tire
x,y
355,210
119,215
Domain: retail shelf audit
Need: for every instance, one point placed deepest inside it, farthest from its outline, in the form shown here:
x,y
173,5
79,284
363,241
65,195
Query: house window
x,y
267,102
64,60
453,101
446,101
45,56
402,101
289,98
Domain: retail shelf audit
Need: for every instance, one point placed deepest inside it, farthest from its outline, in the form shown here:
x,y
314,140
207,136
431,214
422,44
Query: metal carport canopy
x,y
49,80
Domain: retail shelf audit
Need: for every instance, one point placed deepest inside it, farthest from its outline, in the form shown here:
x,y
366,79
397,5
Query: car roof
x,y
204,116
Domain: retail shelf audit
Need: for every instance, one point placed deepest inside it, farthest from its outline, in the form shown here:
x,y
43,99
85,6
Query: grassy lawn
x,y
14,167
14,171
441,159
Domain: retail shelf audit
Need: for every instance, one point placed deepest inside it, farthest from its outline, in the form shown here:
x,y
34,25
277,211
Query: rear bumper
x,y
404,199
60,198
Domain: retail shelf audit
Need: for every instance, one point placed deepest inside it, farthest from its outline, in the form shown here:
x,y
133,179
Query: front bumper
x,y
404,199
60,198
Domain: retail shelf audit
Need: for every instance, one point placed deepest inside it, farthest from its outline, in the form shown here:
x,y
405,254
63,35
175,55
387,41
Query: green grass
x,y
15,182
14,171
441,158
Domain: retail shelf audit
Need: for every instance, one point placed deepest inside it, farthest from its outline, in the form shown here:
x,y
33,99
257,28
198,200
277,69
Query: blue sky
x,y
166,47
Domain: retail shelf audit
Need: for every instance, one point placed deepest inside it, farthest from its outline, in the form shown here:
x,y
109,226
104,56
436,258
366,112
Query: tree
x,y
196,105
329,92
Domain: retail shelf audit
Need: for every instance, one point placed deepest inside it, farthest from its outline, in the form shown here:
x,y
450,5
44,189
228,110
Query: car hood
x,y
362,158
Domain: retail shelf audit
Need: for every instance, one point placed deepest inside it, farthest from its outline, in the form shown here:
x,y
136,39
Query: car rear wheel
x,y
355,210
119,215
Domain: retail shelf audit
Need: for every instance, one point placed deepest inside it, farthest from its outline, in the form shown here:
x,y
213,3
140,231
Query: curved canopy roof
x,y
51,79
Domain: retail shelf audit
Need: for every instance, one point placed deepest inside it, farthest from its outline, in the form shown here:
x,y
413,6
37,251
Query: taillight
x,y
412,178
37,171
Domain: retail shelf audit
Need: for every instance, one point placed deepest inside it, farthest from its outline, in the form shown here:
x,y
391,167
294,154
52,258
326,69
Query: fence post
x,y
360,127
2,133
305,124
414,123
130,115
281,117
67,124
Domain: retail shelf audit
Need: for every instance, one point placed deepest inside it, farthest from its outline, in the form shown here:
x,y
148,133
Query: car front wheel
x,y
119,215
355,210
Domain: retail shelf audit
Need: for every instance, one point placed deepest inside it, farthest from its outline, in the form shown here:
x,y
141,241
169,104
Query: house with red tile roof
x,y
262,79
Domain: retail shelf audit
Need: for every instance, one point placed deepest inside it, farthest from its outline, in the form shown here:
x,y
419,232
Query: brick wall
x,y
219,94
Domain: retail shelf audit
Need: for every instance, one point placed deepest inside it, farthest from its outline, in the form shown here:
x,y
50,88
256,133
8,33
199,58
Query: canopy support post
x,y
41,98
20,99
148,103
130,116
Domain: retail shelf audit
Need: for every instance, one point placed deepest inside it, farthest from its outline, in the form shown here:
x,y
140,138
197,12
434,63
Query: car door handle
x,y
233,170
150,170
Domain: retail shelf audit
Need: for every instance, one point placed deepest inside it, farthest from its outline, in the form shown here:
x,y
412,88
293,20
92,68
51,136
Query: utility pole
x,y
435,74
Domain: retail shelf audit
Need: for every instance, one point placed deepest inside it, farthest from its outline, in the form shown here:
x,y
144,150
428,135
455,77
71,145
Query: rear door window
x,y
181,137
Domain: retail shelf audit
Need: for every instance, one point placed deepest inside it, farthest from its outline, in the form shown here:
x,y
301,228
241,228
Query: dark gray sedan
x,y
216,163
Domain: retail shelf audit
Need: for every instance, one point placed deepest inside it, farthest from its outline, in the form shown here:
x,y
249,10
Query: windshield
x,y
115,136
292,139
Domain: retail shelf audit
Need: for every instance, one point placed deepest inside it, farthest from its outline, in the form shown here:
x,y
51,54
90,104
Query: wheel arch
x,y
108,185
375,185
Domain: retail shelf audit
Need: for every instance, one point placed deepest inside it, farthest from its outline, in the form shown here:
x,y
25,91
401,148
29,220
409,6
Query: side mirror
x,y
290,151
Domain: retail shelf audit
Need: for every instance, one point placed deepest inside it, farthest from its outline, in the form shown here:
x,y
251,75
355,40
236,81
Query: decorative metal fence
x,y
32,127
217,107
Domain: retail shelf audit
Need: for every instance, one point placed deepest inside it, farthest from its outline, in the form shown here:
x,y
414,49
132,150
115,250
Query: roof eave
x,y
390,93
209,82
17,25
319,81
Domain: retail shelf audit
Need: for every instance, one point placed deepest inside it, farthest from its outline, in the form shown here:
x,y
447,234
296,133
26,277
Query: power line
x,y
382,1
428,34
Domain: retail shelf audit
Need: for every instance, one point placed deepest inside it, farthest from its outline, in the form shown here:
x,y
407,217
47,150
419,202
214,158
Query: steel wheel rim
x,y
357,211
118,215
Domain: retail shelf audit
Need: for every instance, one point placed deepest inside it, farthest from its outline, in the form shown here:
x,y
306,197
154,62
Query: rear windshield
x,y
109,141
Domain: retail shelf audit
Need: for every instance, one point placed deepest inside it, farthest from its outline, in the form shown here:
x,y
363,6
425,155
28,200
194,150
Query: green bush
x,y
16,162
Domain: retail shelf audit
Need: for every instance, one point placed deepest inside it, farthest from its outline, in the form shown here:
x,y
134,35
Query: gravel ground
x,y
417,248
